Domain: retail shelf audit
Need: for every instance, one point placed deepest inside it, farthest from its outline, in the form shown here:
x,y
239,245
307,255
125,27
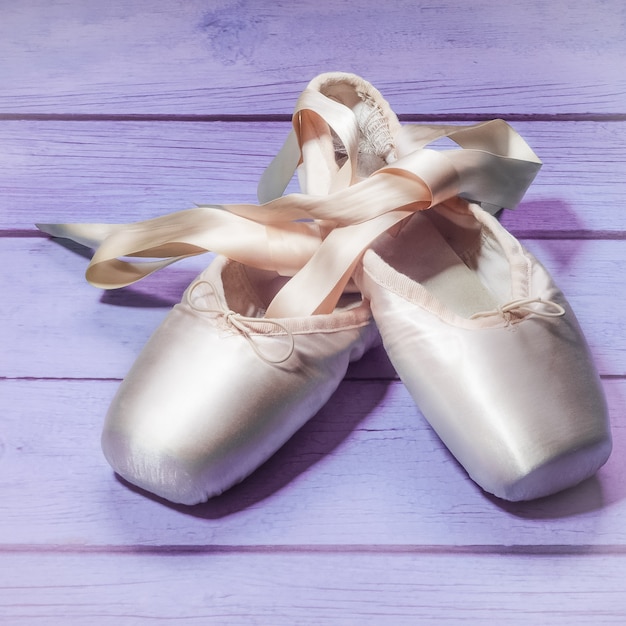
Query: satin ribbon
x,y
318,239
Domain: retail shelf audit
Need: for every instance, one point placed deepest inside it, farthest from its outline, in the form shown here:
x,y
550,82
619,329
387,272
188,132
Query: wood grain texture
x,y
240,57
366,471
310,589
127,171
123,110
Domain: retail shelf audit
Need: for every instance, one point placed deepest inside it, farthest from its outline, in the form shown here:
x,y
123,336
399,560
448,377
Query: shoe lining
x,y
249,290
423,251
324,153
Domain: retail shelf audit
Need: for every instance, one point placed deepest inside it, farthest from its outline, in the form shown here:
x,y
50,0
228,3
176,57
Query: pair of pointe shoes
x,y
390,239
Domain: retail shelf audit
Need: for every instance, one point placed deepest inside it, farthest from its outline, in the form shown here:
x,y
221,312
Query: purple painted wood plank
x,y
241,58
362,516
125,171
367,470
310,589
55,312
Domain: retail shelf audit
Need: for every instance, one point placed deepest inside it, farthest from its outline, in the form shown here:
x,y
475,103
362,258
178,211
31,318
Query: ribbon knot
x,y
244,325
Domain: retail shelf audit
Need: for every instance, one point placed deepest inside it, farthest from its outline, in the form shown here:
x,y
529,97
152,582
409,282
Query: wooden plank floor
x,y
124,110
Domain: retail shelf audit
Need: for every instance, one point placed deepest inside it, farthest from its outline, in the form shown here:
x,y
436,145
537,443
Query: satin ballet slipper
x,y
490,350
219,388
356,189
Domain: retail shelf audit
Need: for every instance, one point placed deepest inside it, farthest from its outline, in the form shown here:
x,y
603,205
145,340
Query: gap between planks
x,y
112,379
284,117
356,549
538,235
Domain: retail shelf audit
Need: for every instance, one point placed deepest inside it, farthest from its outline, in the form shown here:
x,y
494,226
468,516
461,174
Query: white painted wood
x,y
127,171
366,471
234,57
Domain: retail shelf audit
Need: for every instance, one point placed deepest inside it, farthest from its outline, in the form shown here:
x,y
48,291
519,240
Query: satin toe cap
x,y
520,431
555,473
195,421
167,473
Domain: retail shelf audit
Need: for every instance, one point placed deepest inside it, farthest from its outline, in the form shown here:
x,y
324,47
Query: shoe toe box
x,y
520,406
200,409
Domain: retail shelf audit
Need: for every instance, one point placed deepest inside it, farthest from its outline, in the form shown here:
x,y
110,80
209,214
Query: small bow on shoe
x,y
547,308
244,325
